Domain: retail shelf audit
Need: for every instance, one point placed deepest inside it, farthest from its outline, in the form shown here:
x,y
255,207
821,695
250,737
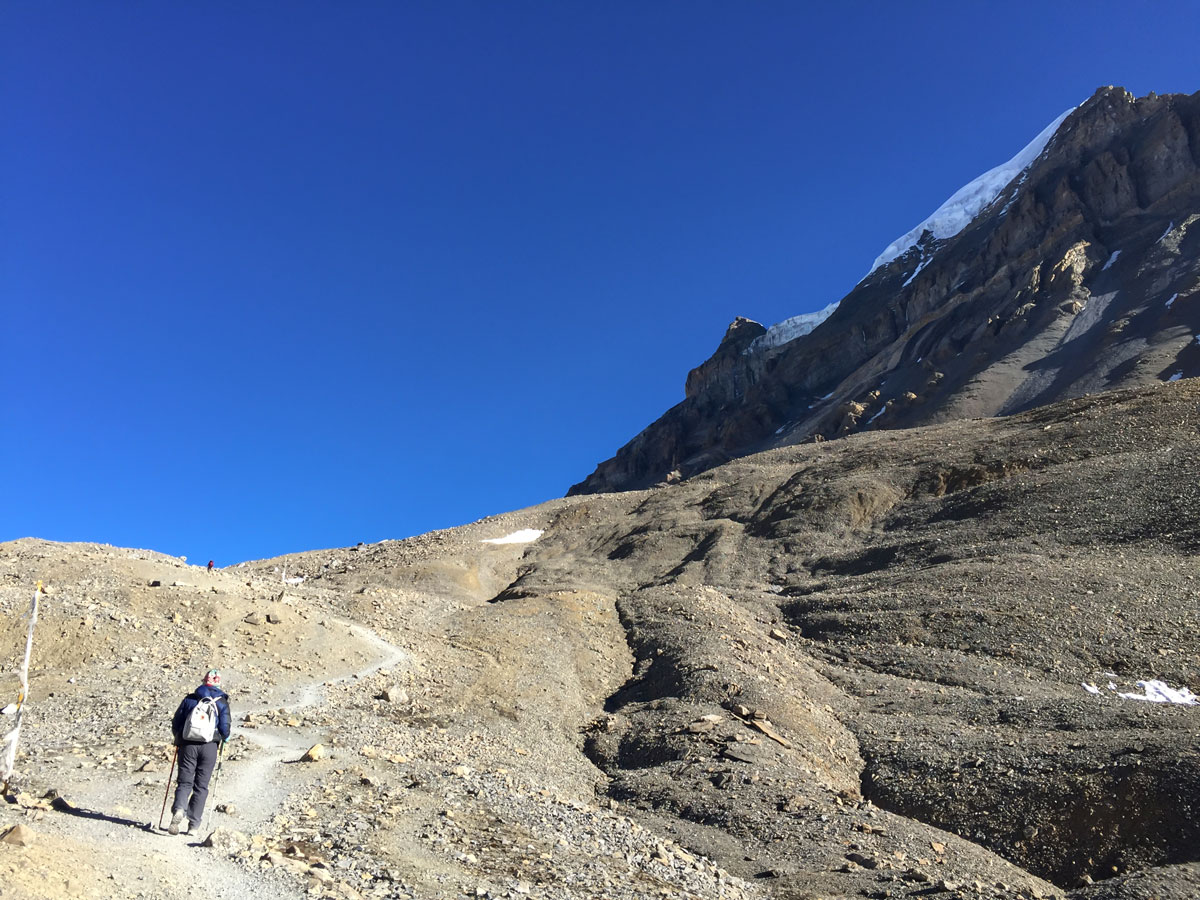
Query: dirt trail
x,y
137,859
262,783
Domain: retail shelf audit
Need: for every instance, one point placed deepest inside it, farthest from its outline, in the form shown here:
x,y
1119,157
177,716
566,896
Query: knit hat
x,y
212,676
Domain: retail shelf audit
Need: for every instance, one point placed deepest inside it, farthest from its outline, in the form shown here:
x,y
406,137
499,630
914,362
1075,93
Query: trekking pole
x,y
168,793
209,806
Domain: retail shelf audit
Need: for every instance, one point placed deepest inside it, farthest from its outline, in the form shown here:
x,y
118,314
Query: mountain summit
x,y
1071,269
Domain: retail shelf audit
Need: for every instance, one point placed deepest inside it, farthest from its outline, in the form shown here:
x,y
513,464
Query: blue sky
x,y
278,276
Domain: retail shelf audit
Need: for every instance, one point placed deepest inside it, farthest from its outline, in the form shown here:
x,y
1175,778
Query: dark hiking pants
x,y
196,762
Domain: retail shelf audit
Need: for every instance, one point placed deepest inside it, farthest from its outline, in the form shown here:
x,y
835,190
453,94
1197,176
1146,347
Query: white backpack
x,y
201,722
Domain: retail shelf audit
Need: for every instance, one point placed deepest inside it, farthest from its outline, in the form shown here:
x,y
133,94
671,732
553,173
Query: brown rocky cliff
x,y
728,358
1081,276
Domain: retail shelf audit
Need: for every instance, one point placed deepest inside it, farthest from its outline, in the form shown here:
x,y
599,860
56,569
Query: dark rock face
x,y
1082,276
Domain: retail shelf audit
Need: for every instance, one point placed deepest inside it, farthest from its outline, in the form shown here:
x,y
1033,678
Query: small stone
x,y
763,724
226,839
738,755
314,753
19,836
795,804
253,619
28,801
274,618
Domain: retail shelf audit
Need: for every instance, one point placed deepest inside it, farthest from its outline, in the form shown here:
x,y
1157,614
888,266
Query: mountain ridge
x,y
984,323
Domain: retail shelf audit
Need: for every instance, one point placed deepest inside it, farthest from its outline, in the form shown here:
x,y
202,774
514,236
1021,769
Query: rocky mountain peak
x,y
1080,273
738,337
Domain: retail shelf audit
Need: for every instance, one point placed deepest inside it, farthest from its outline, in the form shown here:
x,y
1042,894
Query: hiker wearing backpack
x,y
200,726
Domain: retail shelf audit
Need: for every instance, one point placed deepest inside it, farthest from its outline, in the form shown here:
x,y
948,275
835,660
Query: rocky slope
x,y
886,666
1083,275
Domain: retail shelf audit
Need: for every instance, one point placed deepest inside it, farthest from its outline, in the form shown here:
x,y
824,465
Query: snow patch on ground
x,y
1174,297
1153,691
968,201
1176,376
524,536
1165,233
1112,259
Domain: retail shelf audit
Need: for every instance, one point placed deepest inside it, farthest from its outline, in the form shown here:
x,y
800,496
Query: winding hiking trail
x,y
261,784
147,863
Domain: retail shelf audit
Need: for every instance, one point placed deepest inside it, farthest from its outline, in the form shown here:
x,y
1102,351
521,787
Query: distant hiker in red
x,y
210,567
200,726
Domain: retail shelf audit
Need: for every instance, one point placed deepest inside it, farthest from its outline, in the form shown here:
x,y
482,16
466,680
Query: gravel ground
x,y
903,664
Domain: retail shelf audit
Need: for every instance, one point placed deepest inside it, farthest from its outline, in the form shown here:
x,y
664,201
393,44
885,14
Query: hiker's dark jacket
x,y
189,703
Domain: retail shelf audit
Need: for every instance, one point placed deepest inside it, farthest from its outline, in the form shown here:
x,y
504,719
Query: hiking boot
x,y
176,821
187,828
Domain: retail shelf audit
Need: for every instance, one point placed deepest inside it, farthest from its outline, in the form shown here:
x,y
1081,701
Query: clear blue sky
x,y
278,276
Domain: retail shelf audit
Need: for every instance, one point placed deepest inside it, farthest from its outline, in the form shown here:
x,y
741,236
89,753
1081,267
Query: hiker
x,y
200,726
210,565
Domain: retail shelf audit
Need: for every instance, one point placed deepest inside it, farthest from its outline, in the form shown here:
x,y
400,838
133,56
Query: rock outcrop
x,y
1083,275
719,367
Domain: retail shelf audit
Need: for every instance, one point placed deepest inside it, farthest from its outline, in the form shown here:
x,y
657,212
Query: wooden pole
x,y
13,737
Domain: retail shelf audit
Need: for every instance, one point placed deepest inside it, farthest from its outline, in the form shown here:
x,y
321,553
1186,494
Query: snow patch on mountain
x,y
917,271
967,202
790,329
